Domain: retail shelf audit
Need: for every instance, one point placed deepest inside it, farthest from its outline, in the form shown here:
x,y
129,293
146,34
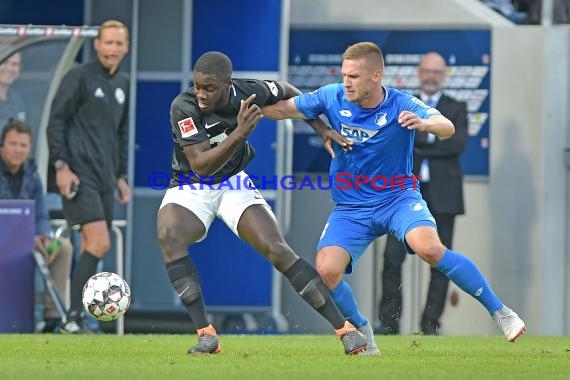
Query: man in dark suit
x,y
437,162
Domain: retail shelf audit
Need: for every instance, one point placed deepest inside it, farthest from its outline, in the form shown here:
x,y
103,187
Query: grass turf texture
x,y
288,357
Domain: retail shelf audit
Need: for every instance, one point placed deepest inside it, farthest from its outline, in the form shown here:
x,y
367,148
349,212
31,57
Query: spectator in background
x,y
437,162
19,180
88,141
11,103
507,9
560,11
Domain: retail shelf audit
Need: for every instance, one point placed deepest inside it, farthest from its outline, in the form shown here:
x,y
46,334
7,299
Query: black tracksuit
x,y
88,129
88,126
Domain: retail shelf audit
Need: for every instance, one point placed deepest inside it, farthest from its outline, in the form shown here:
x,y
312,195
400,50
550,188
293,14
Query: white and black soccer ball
x,y
106,296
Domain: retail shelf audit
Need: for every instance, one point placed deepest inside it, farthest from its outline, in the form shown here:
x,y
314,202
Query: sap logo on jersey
x,y
187,127
356,134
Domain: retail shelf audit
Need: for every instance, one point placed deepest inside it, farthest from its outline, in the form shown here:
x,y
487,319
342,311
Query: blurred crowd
x,y
529,12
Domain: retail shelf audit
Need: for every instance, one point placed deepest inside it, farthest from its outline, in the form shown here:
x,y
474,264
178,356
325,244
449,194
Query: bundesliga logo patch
x,y
187,127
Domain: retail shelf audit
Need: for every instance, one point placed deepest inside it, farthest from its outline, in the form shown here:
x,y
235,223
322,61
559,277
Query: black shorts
x,y
89,205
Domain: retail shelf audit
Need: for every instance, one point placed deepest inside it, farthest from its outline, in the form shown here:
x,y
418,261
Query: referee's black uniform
x,y
88,130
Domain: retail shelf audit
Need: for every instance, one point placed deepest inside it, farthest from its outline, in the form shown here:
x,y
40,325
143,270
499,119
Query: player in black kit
x,y
210,125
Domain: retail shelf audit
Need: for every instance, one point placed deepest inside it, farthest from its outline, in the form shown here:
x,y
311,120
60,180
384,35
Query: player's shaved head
x,y
366,50
214,63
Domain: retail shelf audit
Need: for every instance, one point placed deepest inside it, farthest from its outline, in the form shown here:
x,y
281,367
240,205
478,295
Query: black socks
x,y
185,279
86,267
307,282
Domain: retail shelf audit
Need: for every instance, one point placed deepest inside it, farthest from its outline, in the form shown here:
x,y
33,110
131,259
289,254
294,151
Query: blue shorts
x,y
354,227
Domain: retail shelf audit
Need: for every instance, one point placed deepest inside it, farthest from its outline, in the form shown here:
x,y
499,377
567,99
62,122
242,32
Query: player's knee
x,y
331,264
98,247
163,233
279,254
430,251
171,240
331,276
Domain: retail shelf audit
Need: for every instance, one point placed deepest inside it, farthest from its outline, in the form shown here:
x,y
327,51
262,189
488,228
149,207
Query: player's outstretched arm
x,y
438,125
289,90
283,109
286,109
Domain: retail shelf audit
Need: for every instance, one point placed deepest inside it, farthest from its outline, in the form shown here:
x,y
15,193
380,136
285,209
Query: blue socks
x,y
344,299
460,269
465,274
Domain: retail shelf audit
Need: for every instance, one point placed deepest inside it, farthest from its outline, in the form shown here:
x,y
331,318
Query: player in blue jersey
x,y
373,187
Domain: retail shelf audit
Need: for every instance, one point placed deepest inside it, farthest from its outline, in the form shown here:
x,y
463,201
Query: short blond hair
x,y
362,49
112,24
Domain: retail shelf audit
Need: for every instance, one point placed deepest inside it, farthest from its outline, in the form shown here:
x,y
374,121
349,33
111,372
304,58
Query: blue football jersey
x,y
380,162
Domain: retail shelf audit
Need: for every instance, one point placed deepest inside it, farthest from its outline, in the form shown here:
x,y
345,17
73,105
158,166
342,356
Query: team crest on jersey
x,y
356,134
120,95
187,127
381,119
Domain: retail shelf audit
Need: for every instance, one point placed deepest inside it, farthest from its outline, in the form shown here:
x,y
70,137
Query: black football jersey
x,y
192,126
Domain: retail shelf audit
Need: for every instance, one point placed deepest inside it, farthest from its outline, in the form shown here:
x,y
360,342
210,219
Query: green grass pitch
x,y
275,357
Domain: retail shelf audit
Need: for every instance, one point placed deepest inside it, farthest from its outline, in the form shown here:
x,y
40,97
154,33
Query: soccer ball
x,y
106,296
